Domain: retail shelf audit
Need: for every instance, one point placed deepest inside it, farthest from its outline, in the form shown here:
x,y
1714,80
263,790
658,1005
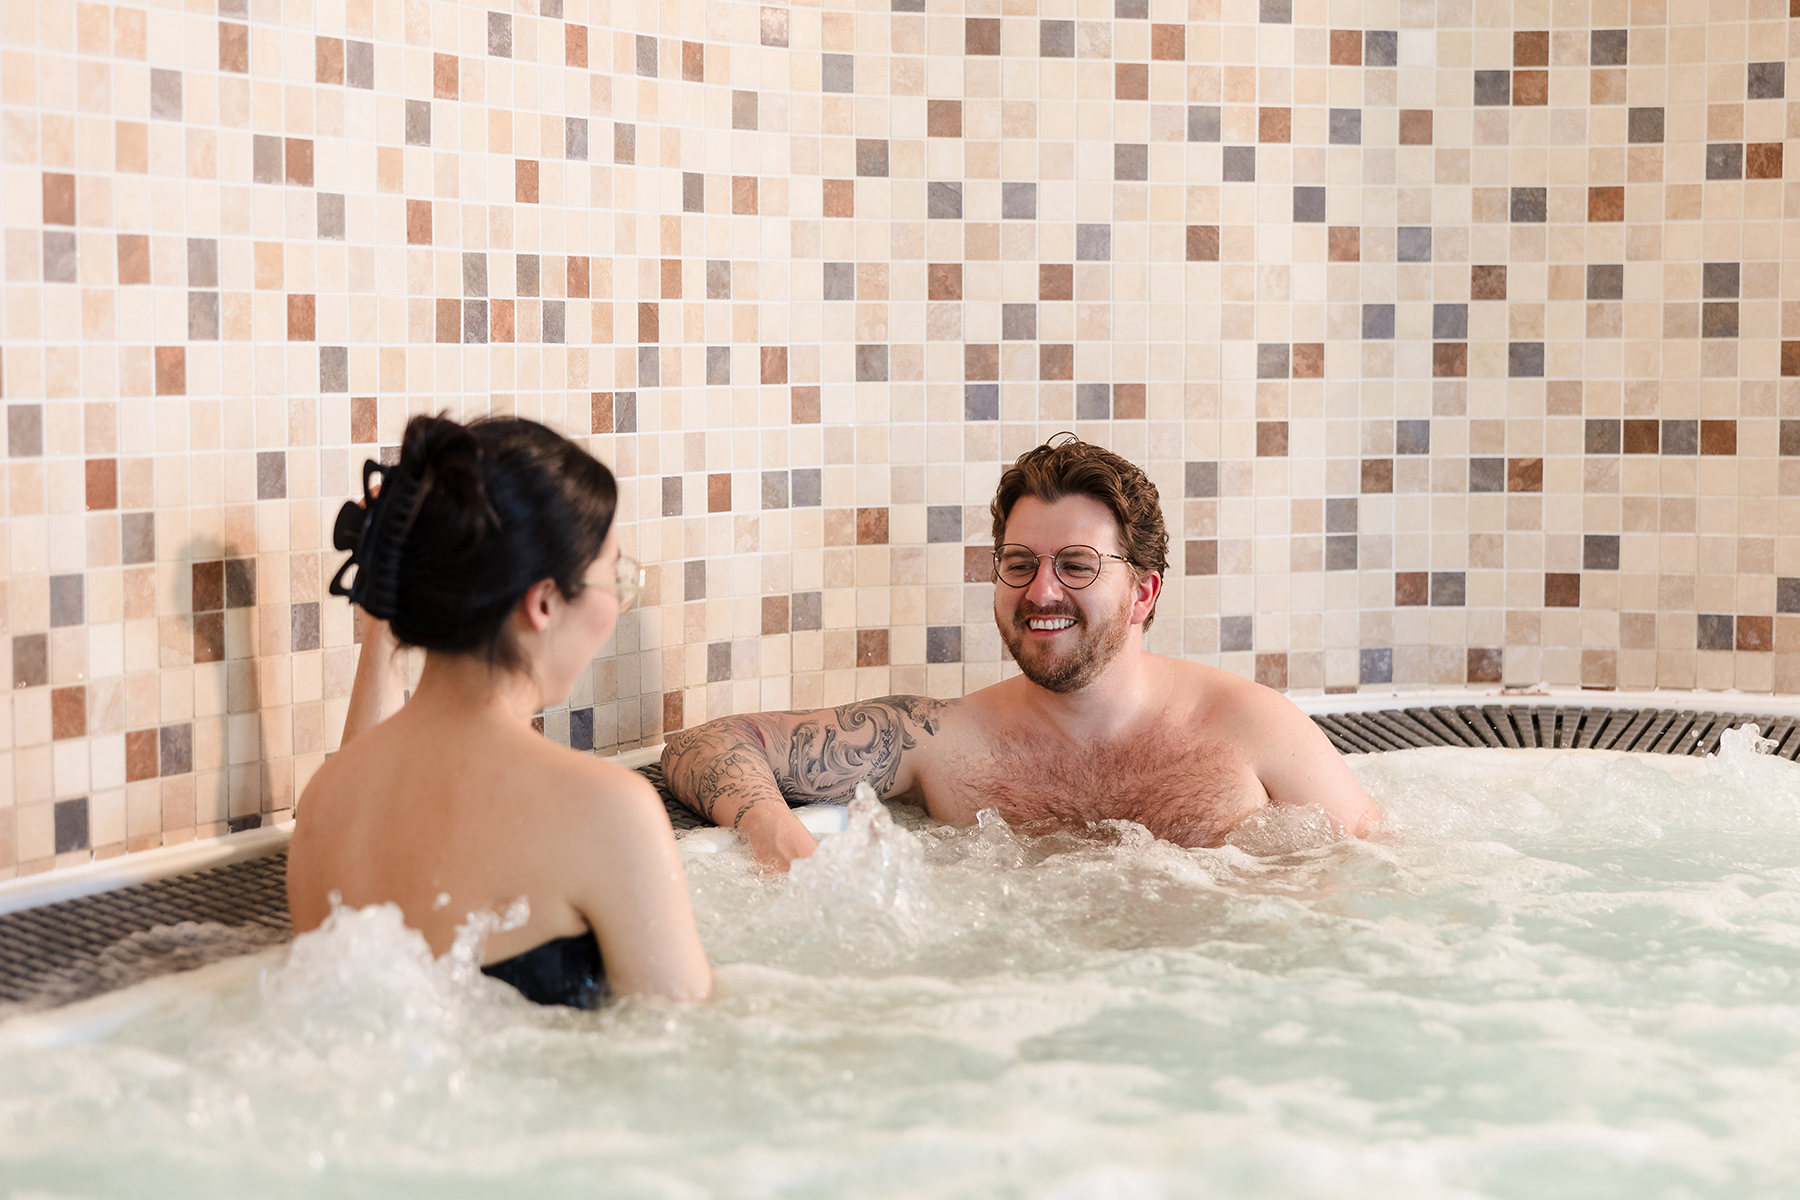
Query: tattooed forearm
x,y
829,754
719,770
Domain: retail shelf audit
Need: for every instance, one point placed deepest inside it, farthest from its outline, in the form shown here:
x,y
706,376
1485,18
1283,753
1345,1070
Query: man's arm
x,y
1297,764
742,772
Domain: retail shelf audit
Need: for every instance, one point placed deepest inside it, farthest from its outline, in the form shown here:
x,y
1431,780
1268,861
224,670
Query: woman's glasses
x,y
1077,566
627,582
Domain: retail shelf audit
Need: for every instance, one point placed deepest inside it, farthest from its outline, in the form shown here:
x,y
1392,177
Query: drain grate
x,y
76,948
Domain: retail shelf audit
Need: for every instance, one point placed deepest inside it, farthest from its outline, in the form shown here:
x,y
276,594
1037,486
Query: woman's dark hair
x,y
471,517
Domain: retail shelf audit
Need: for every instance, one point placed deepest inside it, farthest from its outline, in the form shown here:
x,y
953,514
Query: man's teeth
x,y
1051,622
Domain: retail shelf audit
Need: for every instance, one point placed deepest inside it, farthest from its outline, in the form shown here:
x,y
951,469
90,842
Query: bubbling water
x,y
1545,975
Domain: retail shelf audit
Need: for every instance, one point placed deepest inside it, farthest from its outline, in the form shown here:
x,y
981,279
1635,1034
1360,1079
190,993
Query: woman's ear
x,y
539,603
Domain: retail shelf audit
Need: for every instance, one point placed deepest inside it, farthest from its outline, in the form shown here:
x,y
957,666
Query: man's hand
x,y
776,836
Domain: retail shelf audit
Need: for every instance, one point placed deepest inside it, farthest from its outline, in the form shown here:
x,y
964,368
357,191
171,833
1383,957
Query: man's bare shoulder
x,y
1228,702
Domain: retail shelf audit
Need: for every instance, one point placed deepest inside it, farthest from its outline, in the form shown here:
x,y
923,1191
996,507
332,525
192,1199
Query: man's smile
x,y
1050,624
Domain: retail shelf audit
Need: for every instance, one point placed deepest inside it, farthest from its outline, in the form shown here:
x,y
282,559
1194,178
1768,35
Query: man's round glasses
x,y
627,582
1076,566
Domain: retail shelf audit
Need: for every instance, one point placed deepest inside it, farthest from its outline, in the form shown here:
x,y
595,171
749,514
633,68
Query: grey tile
x,y
944,201
1131,161
837,73
943,643
1530,205
1766,80
330,218
555,321
908,6
1681,437
1237,164
1719,319
1200,480
693,191
718,662
774,489
1018,322
1093,243
525,274
1203,123
1272,360
1525,360
1381,48
871,158
203,316
1131,10
1450,322
418,122
1725,161
359,65
1378,321
1412,243
1377,666
24,430
265,159
303,625
581,729
1601,435
649,367
1607,47
1275,12
1093,401
624,142
137,538
718,365
1412,437
1600,552
871,364
671,495
70,821
1493,88
500,35
1340,552
1720,280
1644,125
575,148
551,9
1345,126
1487,474
808,487
1340,514
30,660
806,611
1449,589
718,279
474,272
624,412
1056,39
175,746
1713,631
165,94
981,402
60,258
646,56
1787,596
334,368
693,579
944,523
1237,633
240,583
1606,281
271,474
839,281
1018,201
744,108
475,322
68,601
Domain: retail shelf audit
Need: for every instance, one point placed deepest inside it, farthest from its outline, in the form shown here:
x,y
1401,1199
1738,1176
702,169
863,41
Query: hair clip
x,y
373,531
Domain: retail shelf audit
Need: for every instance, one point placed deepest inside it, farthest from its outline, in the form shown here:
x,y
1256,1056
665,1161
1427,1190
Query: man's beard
x,y
1076,667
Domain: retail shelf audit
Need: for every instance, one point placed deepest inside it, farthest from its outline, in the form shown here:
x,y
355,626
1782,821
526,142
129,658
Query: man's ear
x,y
1143,601
539,603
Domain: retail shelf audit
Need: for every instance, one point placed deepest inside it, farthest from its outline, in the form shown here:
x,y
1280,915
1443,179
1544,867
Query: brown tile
x,y
1531,89
1762,160
1524,474
1057,361
943,281
774,614
68,713
1607,86
1412,588
1272,671
363,411
1641,435
872,646
301,318
102,483
134,258
1346,47
59,198
743,195
140,755
208,586
804,405
1606,204
649,323
1450,360
1531,48
1201,557
1487,283
1377,475
1790,358
978,564
449,321
981,361
502,321
981,35
580,276
1168,43
839,197
943,118
693,59
171,370
718,492
774,364
1484,664
1756,633
1203,243
1271,439
1718,437
209,637
600,412
1128,401
575,48
671,715
525,181
446,76
671,279
1344,243
328,60
418,222
300,161
1131,81
1415,127
871,526
1562,590
234,50
1274,124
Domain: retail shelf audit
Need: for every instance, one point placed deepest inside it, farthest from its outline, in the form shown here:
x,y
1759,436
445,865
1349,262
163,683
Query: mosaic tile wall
x,y
1452,333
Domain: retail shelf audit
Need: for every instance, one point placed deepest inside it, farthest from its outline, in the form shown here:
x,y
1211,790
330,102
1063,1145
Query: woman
x,y
492,546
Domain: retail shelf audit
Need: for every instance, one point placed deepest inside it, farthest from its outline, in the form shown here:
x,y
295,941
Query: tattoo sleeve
x,y
724,768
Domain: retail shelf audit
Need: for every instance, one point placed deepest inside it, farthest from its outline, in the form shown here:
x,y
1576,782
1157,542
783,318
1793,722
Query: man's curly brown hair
x,y
1077,468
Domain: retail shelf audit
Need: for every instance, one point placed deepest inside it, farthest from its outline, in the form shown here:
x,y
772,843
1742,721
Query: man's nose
x,y
1045,583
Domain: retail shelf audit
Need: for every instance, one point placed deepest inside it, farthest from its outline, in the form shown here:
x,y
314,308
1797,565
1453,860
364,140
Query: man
x,y
1093,728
